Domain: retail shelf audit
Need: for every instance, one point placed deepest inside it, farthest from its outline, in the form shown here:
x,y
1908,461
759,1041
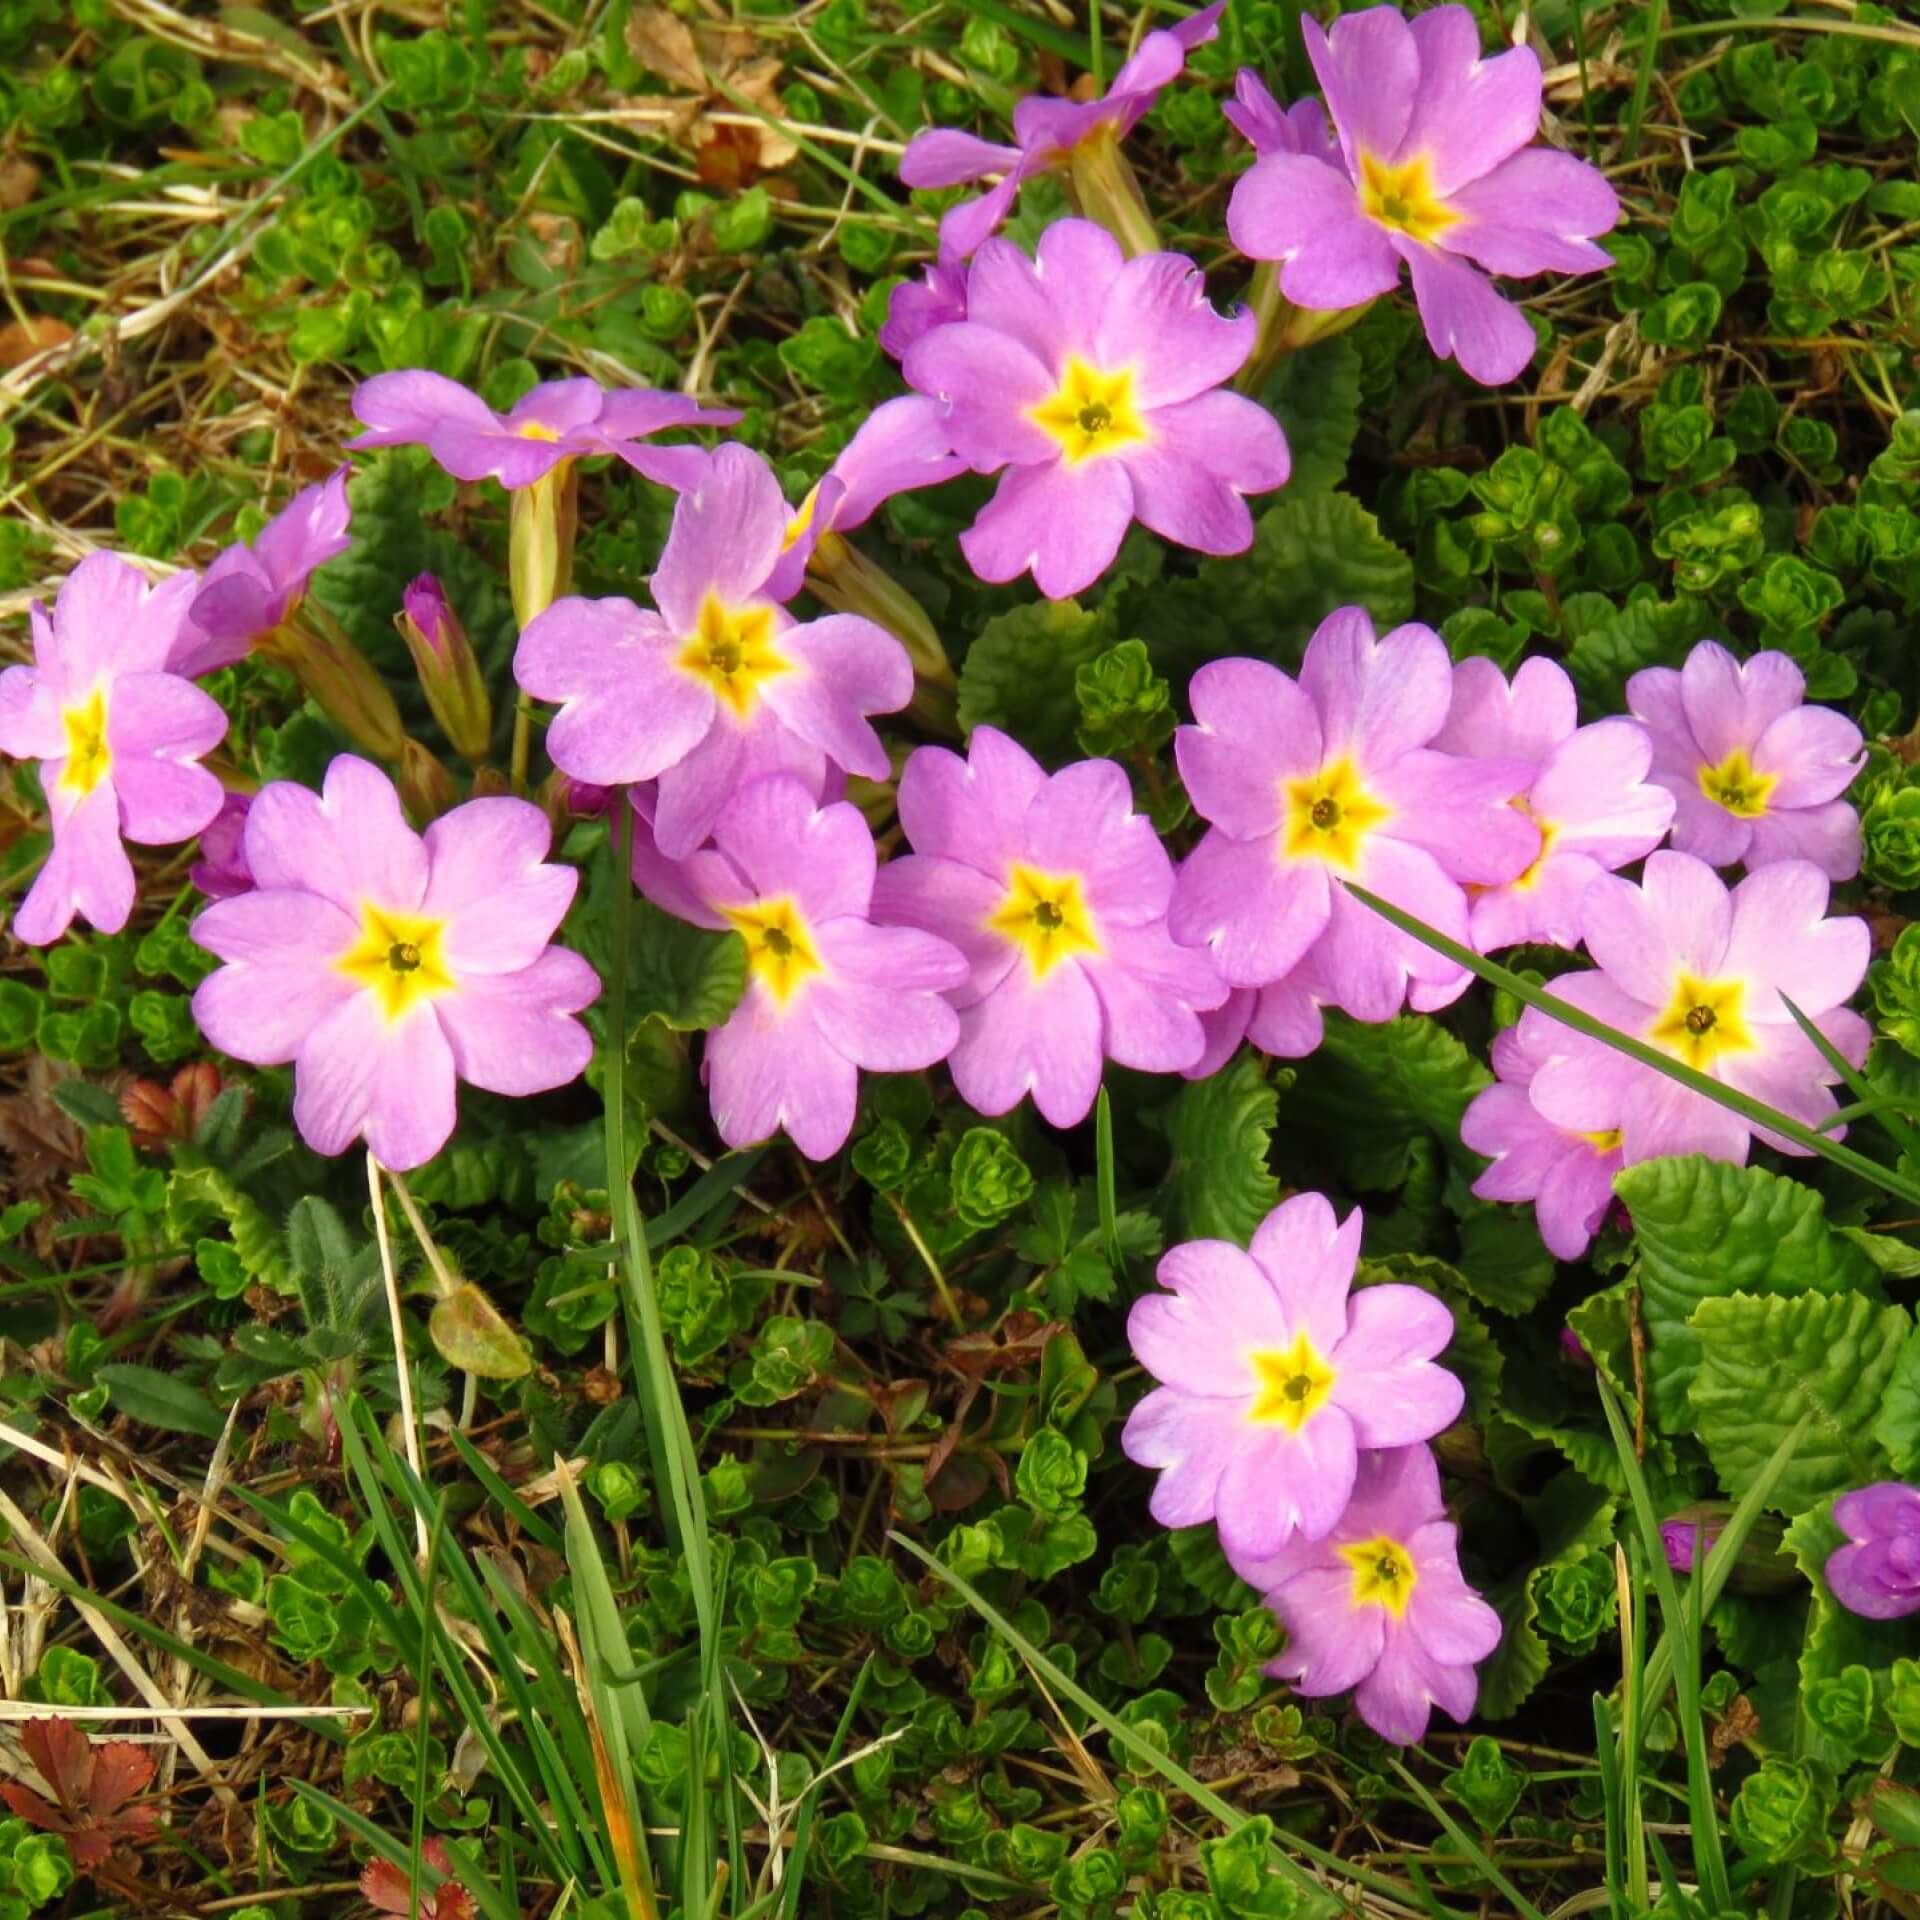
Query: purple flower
x,y
1704,975
116,732
1589,798
1272,1379
1281,1018
1096,381
827,992
248,591
1434,169
1045,132
1877,1573
559,420
1311,783
1756,776
1685,1536
1301,128
1056,891
387,965
721,685
221,872
1567,1175
936,299
1379,1604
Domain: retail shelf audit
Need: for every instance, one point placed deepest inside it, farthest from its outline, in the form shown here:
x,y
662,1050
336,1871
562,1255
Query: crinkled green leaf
x,y
1315,395
1219,1186
1766,1361
1019,673
1502,1261
1706,1228
1898,1427
1472,1353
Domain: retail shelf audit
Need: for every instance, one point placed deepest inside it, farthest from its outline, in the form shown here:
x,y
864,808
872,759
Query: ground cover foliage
x,y
767,1546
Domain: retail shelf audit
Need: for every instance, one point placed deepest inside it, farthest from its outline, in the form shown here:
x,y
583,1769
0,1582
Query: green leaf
x,y
469,1332
683,976
1706,1228
1315,395
1502,1261
1219,1186
161,1400
1836,1638
1766,1361
1019,675
1898,1426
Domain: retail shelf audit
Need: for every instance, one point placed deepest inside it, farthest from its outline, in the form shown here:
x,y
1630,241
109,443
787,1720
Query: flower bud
x,y
540,535
449,674
1696,1529
318,652
426,787
221,872
843,578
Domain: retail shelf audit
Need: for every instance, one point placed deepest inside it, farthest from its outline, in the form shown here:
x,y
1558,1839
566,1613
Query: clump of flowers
x,y
828,992
1311,783
118,734
1096,383
1590,798
1877,1573
1703,974
1273,1380
387,965
1056,891
1435,173
1756,774
1378,1603
721,686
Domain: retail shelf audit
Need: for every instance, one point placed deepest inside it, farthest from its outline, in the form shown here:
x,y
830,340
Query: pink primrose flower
x,y
1096,382
1272,1378
1756,775
1566,1173
1311,783
221,871
1045,132
1056,891
248,591
828,992
1590,797
1301,128
1877,1573
721,685
117,733
558,420
1435,169
1379,1605
388,965
1703,974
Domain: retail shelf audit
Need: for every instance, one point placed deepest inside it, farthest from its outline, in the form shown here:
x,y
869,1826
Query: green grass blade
x,y
1465,1841
1106,1184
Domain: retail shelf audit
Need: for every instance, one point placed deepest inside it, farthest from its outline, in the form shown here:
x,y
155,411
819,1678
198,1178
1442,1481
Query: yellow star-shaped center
x,y
1733,784
1703,1021
780,950
399,958
1329,815
1383,1573
1092,414
89,758
1046,916
1293,1384
1402,196
735,651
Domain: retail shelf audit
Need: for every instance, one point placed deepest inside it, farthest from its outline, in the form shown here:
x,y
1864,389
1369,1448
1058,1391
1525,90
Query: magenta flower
x,y
1567,1174
1096,381
221,871
1379,1604
1682,1540
1704,975
936,299
828,992
1272,1379
721,685
1312,783
559,420
1434,170
1755,774
1590,798
1056,891
248,591
1301,128
387,965
117,734
1045,132
1877,1573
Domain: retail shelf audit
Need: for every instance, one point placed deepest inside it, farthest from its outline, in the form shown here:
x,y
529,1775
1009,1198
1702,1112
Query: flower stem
x,y
545,520
846,580
1105,189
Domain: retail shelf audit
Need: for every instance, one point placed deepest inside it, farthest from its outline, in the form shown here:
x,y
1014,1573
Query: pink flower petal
x,y
1466,318
1307,1257
1257,912
1082,822
491,882
1378,697
1064,523
1032,1036
350,843
726,537
515,1033
1468,113
1256,730
87,872
1157,319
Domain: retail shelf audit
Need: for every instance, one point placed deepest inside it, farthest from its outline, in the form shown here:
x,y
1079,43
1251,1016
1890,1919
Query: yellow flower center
x,y
1703,1021
801,519
1383,1574
735,651
398,958
89,758
1047,917
537,430
1092,414
1403,197
780,951
1733,784
1607,1142
1329,815
1294,1384
1548,831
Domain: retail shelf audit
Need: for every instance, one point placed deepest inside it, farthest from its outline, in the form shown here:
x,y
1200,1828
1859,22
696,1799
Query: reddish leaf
x,y
389,1887
92,1782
